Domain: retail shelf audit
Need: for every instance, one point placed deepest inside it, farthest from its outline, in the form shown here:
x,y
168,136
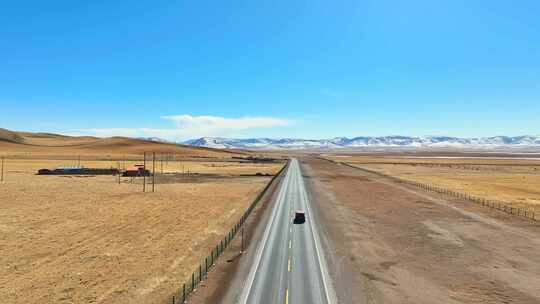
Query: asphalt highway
x,y
289,265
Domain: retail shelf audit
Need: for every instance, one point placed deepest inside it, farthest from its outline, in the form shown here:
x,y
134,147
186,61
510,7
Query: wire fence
x,y
204,267
494,204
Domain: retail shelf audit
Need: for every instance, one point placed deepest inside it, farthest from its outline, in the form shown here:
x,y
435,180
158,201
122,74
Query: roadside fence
x,y
200,272
494,204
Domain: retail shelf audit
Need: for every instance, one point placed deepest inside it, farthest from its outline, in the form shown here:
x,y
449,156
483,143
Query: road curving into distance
x,y
289,265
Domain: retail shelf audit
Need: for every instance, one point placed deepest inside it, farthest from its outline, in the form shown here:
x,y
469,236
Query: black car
x,y
299,217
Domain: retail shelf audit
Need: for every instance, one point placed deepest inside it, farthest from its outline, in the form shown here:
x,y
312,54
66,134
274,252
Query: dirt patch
x,y
391,243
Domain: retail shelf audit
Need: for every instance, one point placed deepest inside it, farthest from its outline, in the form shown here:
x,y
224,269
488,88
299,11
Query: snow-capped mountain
x,y
367,141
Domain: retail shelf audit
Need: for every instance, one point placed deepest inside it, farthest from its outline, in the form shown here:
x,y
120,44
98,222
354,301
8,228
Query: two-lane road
x,y
289,265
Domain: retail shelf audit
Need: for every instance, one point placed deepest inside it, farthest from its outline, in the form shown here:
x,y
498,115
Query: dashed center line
x,y
289,266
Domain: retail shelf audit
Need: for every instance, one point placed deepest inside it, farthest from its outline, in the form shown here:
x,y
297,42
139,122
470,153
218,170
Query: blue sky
x,y
311,69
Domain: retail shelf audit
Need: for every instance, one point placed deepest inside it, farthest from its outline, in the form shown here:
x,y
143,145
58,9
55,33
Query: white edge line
x,y
322,262
251,277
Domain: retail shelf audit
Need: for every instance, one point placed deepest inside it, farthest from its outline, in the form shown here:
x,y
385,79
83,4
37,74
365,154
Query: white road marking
x,y
328,290
258,256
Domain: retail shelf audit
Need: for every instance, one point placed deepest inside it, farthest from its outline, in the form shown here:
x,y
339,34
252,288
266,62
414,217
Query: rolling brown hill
x,y
27,144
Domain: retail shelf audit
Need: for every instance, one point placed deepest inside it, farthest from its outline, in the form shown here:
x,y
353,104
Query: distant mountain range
x,y
32,143
368,141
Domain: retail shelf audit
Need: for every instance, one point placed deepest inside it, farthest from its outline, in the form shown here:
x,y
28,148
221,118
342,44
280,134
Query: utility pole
x,y
118,163
153,170
242,250
2,176
144,173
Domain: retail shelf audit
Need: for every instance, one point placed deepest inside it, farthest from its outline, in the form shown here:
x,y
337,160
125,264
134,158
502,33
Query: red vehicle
x,y
136,170
299,217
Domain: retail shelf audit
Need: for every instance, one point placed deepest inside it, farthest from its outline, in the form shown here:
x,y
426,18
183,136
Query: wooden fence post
x,y
2,176
144,173
153,170
242,250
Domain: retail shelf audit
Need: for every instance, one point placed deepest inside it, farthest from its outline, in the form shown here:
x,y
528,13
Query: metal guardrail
x,y
202,270
494,204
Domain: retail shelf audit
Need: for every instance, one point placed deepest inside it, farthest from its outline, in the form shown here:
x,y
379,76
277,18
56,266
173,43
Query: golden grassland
x,y
88,239
46,145
222,167
515,181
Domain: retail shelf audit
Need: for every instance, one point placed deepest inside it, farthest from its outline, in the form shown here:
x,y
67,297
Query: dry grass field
x,y
88,239
515,180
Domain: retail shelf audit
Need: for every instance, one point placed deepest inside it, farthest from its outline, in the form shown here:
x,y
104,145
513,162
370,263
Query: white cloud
x,y
219,124
188,126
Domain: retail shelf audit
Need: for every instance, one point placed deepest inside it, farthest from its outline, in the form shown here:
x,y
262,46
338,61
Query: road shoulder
x,y
391,244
